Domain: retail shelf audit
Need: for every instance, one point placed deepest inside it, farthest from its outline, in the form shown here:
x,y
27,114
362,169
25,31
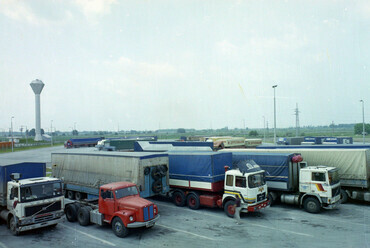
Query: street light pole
x,y
11,124
363,122
274,86
264,129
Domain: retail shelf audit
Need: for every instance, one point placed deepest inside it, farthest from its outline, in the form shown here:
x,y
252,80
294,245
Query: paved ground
x,y
279,226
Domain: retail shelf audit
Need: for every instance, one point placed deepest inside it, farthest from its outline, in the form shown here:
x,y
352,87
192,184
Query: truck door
x,y
318,181
106,205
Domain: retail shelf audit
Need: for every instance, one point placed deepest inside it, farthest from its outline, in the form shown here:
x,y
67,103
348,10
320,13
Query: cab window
x,y
240,182
13,193
229,180
318,176
108,194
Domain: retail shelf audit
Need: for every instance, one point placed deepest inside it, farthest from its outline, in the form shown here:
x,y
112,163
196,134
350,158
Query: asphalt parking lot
x,y
278,226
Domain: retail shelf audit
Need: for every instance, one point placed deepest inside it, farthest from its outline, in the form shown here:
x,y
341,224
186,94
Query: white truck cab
x,y
33,203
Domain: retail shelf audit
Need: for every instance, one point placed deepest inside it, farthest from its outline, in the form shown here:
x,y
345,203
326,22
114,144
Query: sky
x,y
147,65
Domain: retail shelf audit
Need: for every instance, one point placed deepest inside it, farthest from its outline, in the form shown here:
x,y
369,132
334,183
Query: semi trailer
x,y
82,142
353,165
28,199
291,181
119,205
84,172
210,179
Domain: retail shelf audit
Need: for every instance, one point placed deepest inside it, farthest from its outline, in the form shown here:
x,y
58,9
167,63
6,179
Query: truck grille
x,y
148,213
43,218
38,209
335,191
261,197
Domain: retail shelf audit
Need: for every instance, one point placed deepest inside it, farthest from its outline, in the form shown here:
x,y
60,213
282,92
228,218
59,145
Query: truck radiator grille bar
x,y
40,208
148,213
44,218
335,191
261,197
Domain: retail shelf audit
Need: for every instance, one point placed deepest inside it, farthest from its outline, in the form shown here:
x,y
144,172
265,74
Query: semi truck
x,y
210,179
119,205
28,199
84,172
291,181
82,142
353,165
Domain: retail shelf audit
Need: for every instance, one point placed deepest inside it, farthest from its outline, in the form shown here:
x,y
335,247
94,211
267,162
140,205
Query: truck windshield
x,y
333,177
42,191
256,180
120,193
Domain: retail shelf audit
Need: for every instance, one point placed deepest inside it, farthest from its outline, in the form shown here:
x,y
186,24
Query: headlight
x,y
131,218
155,211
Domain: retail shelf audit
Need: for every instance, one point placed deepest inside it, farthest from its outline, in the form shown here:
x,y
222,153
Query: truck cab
x,y
119,205
320,187
248,182
33,203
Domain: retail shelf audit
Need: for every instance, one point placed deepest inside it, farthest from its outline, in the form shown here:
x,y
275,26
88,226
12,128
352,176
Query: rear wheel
x,y
179,198
71,212
79,196
119,228
193,201
311,205
83,216
229,208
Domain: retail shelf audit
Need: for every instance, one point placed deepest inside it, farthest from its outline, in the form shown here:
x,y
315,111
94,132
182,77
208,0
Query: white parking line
x,y
90,236
251,224
3,245
194,234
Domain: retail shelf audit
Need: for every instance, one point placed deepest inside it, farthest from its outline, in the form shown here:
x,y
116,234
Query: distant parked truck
x,y
122,144
209,179
84,172
250,143
353,165
83,142
291,181
28,199
221,142
119,205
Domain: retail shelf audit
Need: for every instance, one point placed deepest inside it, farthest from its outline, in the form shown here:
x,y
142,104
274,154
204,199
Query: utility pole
x,y
274,87
332,125
296,113
264,129
51,133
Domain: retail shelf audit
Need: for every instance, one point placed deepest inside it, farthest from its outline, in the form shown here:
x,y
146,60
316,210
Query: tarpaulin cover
x,y
140,146
199,166
275,165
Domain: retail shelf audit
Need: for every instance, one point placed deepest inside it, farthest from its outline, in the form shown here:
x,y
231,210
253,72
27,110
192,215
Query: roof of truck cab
x,y
94,152
117,185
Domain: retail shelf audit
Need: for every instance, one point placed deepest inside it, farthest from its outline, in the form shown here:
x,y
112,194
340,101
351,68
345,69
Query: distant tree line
x,y
359,128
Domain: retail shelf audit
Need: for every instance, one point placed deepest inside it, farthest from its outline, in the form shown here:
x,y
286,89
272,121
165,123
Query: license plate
x,y
150,223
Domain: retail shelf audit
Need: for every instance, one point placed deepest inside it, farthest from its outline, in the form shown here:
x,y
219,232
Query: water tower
x,y
37,86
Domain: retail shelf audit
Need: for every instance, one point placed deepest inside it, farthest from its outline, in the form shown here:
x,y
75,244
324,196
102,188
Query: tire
x,y
193,201
162,170
179,198
78,196
71,195
271,199
156,173
119,228
157,186
312,205
83,216
229,208
13,226
146,171
343,196
71,212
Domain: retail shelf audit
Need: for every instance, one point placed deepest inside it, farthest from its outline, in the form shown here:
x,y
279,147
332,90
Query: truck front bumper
x,y
42,224
148,223
332,206
256,207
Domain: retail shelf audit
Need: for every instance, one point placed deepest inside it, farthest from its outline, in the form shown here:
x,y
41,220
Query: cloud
x,y
226,48
93,8
19,11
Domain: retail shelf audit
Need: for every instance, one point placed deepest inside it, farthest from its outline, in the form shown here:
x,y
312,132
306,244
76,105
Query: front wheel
x,y
13,226
229,208
343,196
311,205
119,228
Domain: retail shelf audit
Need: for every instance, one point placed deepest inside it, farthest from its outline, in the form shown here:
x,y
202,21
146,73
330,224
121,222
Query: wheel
x,y
79,196
179,198
71,212
146,171
119,228
13,226
311,205
156,173
71,195
229,208
343,196
271,198
83,216
157,186
193,201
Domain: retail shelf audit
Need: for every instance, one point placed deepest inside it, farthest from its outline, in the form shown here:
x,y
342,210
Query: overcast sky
x,y
146,65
